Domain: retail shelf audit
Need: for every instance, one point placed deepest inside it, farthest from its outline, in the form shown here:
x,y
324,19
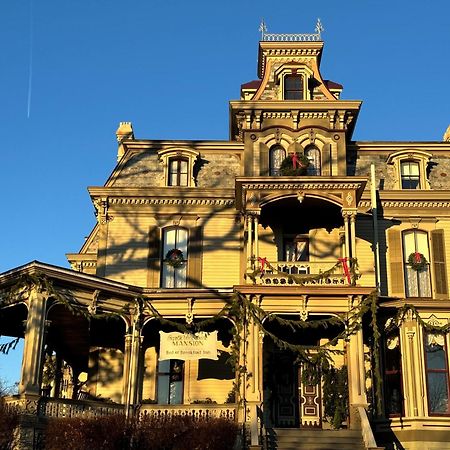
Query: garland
x,y
293,165
350,272
174,258
417,261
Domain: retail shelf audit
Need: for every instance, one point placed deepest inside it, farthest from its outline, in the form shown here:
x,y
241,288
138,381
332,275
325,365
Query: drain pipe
x,y
375,244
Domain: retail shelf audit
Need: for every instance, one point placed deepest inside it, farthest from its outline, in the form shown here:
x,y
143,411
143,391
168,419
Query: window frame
x,y
420,157
273,170
178,172
428,370
168,274
316,169
167,155
169,374
287,90
406,266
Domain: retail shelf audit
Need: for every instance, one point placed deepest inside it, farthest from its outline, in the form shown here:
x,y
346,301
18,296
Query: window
x,y
174,276
313,155
437,374
170,382
418,283
178,172
393,375
293,87
296,248
410,169
276,156
410,175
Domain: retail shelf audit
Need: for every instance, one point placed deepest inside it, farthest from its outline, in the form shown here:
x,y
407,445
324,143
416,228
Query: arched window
x,y
174,276
418,282
293,87
178,172
276,157
313,155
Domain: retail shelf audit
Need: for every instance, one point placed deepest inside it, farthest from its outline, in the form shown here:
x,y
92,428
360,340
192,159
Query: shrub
x,y
111,432
146,433
9,420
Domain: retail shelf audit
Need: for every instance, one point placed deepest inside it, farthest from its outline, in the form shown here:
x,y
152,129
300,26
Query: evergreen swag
x,y
294,165
417,261
317,360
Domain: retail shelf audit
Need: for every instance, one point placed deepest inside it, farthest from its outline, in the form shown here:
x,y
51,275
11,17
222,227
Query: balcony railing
x,y
197,411
301,272
57,407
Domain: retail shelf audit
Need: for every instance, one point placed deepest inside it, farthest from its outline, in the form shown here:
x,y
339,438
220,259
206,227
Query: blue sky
x,y
170,67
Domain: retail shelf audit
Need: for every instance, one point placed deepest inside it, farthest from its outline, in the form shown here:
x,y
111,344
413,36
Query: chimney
x,y
124,132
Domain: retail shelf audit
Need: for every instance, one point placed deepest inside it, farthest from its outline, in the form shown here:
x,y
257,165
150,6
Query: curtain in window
x,y
174,277
313,155
418,284
276,156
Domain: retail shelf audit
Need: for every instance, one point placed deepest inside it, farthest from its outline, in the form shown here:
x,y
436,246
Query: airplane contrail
x,y
30,74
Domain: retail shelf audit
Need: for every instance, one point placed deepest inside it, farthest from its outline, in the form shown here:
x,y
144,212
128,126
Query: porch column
x,y
353,234
253,379
345,215
356,369
30,380
411,368
249,220
132,360
256,244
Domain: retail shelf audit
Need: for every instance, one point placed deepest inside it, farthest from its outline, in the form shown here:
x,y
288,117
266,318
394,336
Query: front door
x,y
289,403
310,403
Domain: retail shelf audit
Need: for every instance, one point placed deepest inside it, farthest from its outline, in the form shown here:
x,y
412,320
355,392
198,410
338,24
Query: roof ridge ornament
x,y
286,37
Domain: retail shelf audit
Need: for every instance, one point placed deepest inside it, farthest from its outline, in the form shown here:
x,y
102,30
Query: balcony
x,y
300,273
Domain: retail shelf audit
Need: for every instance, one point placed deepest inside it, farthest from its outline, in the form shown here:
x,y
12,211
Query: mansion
x,y
286,255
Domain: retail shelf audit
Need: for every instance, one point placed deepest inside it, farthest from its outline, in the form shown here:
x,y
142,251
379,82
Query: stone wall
x,y
439,172
217,170
141,170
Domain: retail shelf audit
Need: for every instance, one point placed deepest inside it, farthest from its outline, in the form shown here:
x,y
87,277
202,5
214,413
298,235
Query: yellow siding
x,y
220,252
106,374
149,381
445,225
128,248
364,253
324,245
267,246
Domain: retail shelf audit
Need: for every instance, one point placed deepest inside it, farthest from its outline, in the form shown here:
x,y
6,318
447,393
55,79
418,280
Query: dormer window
x,y
178,166
178,172
410,167
293,87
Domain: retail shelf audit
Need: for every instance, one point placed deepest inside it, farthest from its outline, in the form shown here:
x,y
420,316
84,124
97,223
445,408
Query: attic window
x,y
293,87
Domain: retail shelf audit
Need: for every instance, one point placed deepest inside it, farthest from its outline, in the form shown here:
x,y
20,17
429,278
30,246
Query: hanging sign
x,y
187,346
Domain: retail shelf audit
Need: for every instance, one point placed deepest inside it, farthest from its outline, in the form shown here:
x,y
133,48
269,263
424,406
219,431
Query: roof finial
x,y
319,27
262,28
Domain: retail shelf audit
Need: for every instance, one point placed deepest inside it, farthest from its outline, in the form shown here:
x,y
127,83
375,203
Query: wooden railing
x,y
57,407
197,411
367,433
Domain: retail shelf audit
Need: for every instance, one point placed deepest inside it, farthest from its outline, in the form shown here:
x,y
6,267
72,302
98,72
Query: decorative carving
x,y
170,201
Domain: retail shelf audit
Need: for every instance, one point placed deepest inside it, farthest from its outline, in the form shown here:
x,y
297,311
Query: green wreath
x,y
291,166
174,257
417,261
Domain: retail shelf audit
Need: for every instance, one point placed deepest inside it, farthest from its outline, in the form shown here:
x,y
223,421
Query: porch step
x,y
298,439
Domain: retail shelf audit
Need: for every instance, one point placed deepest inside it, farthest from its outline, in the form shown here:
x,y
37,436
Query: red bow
x,y
417,257
263,262
345,269
294,160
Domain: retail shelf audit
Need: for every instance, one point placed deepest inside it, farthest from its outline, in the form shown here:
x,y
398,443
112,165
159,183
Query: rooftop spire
x,y
291,37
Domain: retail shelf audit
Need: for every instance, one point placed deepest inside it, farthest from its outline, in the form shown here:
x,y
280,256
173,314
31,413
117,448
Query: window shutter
x,y
396,263
154,257
195,258
438,260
